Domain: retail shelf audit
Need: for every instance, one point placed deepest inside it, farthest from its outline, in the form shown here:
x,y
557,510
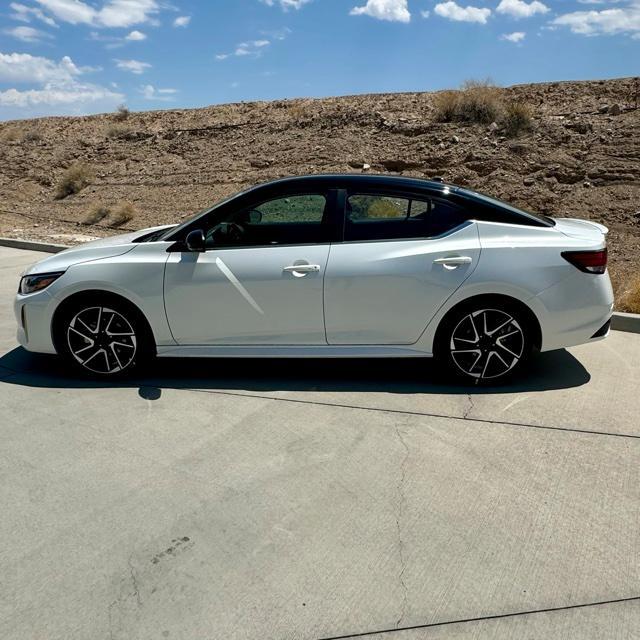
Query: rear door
x,y
403,255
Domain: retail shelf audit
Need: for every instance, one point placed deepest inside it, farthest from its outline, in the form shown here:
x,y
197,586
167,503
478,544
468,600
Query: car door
x,y
260,279
402,257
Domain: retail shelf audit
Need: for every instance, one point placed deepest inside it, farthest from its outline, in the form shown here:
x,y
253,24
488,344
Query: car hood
x,y
95,250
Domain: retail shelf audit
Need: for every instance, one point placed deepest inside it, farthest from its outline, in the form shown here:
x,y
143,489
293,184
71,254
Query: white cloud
x,y
521,9
113,13
133,66
24,14
605,22
285,5
516,36
251,48
27,34
149,92
453,11
58,87
425,13
182,21
23,67
392,10
136,35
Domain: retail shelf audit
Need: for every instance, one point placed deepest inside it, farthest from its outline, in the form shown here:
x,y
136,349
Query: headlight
x,y
37,282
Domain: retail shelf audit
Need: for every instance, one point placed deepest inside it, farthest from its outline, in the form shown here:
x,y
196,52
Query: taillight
x,y
587,261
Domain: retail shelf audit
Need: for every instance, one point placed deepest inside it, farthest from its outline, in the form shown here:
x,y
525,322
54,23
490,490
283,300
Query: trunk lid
x,y
583,229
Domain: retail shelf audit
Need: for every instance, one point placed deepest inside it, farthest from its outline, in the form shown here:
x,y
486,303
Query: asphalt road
x,y
312,500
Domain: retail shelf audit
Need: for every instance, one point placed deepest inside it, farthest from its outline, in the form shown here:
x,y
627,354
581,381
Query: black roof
x,y
368,179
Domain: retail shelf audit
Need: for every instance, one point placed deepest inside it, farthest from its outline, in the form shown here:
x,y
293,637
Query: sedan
x,y
328,266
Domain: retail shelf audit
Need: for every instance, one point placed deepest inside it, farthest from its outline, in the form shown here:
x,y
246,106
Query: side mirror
x,y
255,216
196,241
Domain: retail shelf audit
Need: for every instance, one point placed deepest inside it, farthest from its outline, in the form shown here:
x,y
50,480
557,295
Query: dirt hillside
x,y
580,158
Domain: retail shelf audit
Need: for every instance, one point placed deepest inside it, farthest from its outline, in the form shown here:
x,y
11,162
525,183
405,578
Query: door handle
x,y
302,268
453,261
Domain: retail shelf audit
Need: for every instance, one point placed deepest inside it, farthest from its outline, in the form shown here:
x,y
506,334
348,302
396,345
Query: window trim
x,y
331,218
407,195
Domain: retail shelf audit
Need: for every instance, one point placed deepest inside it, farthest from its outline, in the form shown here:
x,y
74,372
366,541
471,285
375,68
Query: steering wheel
x,y
228,232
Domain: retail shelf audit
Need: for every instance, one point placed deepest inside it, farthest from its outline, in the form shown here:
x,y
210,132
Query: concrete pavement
x,y
252,499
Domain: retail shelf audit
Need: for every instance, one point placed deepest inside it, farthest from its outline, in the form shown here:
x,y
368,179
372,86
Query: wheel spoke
x,y
478,347
102,350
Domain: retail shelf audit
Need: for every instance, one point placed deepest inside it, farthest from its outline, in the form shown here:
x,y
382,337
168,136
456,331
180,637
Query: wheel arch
x,y
101,296
533,323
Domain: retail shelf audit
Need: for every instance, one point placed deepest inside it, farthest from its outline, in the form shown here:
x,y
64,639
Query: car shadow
x,y
552,370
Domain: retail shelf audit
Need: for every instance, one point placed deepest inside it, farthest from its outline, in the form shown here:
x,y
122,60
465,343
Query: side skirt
x,y
328,351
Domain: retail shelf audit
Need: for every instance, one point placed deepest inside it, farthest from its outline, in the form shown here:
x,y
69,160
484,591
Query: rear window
x,y
500,204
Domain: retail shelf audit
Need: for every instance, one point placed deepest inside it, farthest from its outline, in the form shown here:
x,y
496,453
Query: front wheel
x,y
484,344
105,340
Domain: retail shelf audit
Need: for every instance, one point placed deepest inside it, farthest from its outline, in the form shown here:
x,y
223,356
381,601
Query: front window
x,y
293,219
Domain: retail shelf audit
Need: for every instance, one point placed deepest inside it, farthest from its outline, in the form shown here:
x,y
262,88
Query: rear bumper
x,y
575,311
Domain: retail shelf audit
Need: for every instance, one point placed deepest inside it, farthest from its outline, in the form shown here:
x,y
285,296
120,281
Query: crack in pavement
x,y
423,414
498,616
470,408
399,514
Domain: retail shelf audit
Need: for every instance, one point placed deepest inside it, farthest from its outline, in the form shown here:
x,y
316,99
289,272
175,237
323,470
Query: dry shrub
x,y
33,135
123,213
117,131
96,214
630,299
477,101
74,180
517,118
11,134
298,110
122,113
446,105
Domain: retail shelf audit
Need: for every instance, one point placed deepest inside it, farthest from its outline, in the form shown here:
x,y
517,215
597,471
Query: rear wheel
x,y
106,340
484,344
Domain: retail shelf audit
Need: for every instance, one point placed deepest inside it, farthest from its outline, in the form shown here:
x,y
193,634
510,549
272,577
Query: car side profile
x,y
328,266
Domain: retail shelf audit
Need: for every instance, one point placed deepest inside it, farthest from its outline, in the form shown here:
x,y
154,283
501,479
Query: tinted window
x,y
295,219
384,217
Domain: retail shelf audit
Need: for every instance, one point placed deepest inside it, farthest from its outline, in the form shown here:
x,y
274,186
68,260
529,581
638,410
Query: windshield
x,y
505,205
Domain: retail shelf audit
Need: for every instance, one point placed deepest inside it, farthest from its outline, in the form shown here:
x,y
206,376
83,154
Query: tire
x,y
103,337
487,342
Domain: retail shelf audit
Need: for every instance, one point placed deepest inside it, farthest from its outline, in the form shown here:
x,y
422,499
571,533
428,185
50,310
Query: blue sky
x,y
88,56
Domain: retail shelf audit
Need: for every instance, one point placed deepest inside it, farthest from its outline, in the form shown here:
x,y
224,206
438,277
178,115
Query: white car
x,y
328,266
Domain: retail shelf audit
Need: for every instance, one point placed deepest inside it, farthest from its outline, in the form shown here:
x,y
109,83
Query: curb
x,y
29,245
629,322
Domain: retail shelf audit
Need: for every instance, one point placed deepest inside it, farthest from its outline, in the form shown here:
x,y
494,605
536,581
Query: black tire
x,y
485,342
103,337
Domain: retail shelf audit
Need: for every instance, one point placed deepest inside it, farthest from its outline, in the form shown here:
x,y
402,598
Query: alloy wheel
x,y
102,340
487,344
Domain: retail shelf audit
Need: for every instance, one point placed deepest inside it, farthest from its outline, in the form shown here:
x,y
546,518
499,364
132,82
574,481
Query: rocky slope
x,y
582,157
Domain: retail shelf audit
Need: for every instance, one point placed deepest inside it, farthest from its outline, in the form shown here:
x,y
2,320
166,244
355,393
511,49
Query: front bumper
x,y
33,316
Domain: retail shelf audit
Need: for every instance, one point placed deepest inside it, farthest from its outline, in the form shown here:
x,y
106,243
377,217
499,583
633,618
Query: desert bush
x,y
74,180
516,118
123,213
298,110
477,101
630,299
96,214
117,130
11,134
33,135
446,105
122,113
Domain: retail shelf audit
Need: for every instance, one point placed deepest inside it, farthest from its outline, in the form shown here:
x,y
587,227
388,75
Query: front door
x,y
260,280
401,258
